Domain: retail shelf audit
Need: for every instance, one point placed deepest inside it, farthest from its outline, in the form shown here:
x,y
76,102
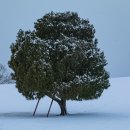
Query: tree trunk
x,y
62,105
36,107
50,108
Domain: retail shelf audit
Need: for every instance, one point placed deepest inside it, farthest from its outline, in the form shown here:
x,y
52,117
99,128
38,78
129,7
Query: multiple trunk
x,y
62,104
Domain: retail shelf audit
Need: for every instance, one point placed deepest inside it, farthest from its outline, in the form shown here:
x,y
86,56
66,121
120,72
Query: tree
x,y
60,59
4,77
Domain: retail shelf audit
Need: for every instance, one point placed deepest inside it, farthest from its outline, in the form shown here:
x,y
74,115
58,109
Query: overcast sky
x,y
111,19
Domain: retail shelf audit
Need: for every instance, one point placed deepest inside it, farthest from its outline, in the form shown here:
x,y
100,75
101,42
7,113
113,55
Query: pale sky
x,y
111,19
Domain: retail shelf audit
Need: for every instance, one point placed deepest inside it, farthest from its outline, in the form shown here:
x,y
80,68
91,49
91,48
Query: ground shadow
x,y
100,115
93,115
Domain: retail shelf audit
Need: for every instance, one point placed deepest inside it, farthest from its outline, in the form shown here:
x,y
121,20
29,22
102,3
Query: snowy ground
x,y
110,112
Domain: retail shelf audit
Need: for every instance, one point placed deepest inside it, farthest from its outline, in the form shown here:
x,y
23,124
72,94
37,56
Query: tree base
x,y
63,108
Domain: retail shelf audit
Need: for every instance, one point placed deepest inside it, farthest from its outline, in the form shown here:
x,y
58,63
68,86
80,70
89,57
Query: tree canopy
x,y
59,58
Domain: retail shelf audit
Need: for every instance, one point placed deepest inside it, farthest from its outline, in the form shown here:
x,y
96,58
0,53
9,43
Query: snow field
x,y
110,112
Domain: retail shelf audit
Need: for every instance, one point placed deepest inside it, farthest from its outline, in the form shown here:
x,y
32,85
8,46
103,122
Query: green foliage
x,y
60,56
52,25
28,61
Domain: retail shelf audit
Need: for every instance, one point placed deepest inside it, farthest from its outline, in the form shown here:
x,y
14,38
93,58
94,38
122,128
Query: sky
x,y
111,19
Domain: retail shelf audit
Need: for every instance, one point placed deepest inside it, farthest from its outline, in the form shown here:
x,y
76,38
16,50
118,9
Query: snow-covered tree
x,y
28,62
4,77
60,59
